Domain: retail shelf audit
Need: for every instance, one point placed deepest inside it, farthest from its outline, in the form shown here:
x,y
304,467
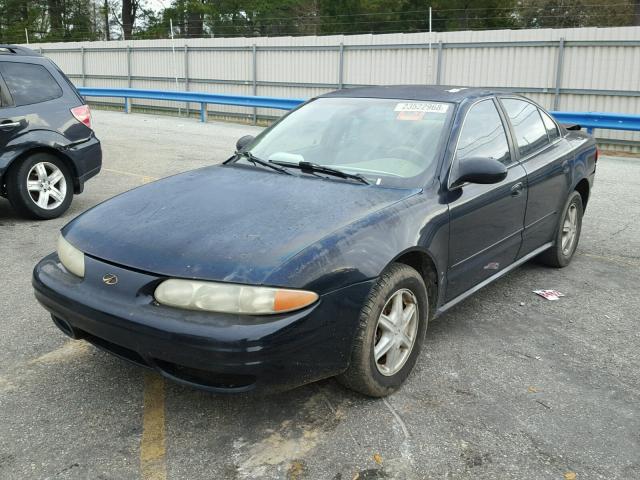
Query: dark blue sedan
x,y
325,245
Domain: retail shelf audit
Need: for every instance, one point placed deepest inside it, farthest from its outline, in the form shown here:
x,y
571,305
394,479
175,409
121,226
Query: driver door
x,y
486,221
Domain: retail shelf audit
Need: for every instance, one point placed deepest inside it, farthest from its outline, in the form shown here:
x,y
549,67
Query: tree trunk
x,y
107,32
636,13
129,10
55,17
195,26
24,12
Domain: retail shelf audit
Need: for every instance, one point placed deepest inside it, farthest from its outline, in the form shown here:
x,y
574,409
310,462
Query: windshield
x,y
389,142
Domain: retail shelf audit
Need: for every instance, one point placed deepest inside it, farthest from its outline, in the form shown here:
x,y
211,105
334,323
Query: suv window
x,y
550,125
531,133
483,134
29,83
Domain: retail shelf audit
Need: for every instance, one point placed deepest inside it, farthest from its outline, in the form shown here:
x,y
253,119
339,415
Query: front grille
x,y
117,350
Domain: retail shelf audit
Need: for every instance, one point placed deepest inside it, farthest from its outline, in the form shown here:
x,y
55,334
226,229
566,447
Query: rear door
x,y
486,221
32,93
546,157
11,124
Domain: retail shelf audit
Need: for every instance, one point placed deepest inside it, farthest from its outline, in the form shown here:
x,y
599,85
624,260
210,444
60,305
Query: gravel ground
x,y
509,385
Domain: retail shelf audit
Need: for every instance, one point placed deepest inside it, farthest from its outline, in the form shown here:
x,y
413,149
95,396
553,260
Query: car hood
x,y
225,223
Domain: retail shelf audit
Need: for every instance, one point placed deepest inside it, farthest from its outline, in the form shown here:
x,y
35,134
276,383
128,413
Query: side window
x,y
531,133
483,134
549,124
29,83
5,100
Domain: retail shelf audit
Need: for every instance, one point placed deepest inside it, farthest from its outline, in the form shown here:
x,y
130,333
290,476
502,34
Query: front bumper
x,y
211,351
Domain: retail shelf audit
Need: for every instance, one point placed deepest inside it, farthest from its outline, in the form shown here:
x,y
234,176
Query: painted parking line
x,y
619,260
143,178
70,350
153,444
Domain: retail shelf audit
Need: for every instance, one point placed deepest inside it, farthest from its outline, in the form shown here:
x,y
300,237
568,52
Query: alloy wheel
x,y
396,332
46,185
569,229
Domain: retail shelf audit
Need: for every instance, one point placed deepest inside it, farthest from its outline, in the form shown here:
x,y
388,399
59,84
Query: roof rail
x,y
8,49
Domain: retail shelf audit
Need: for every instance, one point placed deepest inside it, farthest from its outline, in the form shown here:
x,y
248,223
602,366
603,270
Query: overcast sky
x,y
157,5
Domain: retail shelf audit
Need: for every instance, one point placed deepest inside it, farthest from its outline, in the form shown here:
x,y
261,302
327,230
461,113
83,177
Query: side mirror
x,y
480,170
243,142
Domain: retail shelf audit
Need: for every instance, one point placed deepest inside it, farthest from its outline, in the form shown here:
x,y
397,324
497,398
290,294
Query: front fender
x,y
362,250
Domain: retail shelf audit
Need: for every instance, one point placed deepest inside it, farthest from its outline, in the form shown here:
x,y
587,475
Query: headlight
x,y
70,257
231,298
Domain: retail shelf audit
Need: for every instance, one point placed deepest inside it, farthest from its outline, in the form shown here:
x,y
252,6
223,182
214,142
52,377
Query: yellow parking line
x,y
152,446
144,178
626,261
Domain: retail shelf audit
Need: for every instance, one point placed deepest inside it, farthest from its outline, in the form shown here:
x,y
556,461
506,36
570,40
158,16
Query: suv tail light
x,y
82,114
597,154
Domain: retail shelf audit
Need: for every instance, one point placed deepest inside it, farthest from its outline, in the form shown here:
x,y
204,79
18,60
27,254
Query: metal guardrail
x,y
608,121
202,98
588,120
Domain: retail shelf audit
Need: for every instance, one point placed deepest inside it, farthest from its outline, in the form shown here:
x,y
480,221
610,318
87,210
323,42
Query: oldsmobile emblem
x,y
110,279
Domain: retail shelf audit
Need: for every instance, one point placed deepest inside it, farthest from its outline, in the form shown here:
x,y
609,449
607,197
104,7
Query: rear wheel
x,y
40,186
393,322
567,235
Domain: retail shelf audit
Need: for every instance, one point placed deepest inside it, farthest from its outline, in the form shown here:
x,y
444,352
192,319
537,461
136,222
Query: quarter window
x,y
531,133
483,134
550,125
29,83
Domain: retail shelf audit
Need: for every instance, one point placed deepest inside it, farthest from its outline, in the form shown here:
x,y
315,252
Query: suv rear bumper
x,y
87,161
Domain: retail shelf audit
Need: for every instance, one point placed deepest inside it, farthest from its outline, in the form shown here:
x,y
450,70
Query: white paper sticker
x,y
427,107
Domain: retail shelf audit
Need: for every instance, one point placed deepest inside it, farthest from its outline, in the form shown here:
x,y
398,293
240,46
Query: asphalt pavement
x,y
509,385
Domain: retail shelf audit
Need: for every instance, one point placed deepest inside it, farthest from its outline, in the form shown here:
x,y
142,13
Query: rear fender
x,y
44,141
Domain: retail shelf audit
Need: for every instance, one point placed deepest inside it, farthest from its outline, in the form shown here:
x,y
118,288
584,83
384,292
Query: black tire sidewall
x,y
19,196
415,284
574,198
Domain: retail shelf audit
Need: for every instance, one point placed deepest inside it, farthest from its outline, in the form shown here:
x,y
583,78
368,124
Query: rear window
x,y
550,125
29,83
531,133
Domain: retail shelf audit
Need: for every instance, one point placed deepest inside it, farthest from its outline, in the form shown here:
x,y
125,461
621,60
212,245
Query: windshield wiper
x,y
308,167
258,161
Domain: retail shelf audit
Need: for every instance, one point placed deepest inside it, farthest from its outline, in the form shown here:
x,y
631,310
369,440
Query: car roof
x,y
438,93
8,49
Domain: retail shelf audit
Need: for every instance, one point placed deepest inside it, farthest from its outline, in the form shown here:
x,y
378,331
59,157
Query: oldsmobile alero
x,y
325,244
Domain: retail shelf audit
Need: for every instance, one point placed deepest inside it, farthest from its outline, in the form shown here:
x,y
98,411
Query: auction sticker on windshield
x,y
423,107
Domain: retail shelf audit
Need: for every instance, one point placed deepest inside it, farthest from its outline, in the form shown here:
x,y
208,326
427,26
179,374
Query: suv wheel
x,y
392,327
40,186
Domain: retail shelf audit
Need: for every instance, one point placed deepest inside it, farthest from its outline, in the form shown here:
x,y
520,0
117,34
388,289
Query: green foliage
x,y
46,20
69,20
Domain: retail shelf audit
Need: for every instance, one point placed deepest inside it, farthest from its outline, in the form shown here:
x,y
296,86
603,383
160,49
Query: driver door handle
x,y
517,189
9,125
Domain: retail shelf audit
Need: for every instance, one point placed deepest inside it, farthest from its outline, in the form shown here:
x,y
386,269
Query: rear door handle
x,y
9,125
516,190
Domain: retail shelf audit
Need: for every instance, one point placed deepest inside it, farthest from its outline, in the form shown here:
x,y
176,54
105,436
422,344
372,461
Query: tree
x,y
573,13
129,13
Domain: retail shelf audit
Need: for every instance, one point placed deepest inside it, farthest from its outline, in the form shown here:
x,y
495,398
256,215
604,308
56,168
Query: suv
x,y
47,147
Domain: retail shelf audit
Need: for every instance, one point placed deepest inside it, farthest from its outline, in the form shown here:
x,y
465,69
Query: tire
x,y
53,181
383,377
560,254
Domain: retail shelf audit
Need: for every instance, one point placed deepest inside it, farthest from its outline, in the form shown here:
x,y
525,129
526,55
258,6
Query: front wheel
x,y
567,234
393,322
40,187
